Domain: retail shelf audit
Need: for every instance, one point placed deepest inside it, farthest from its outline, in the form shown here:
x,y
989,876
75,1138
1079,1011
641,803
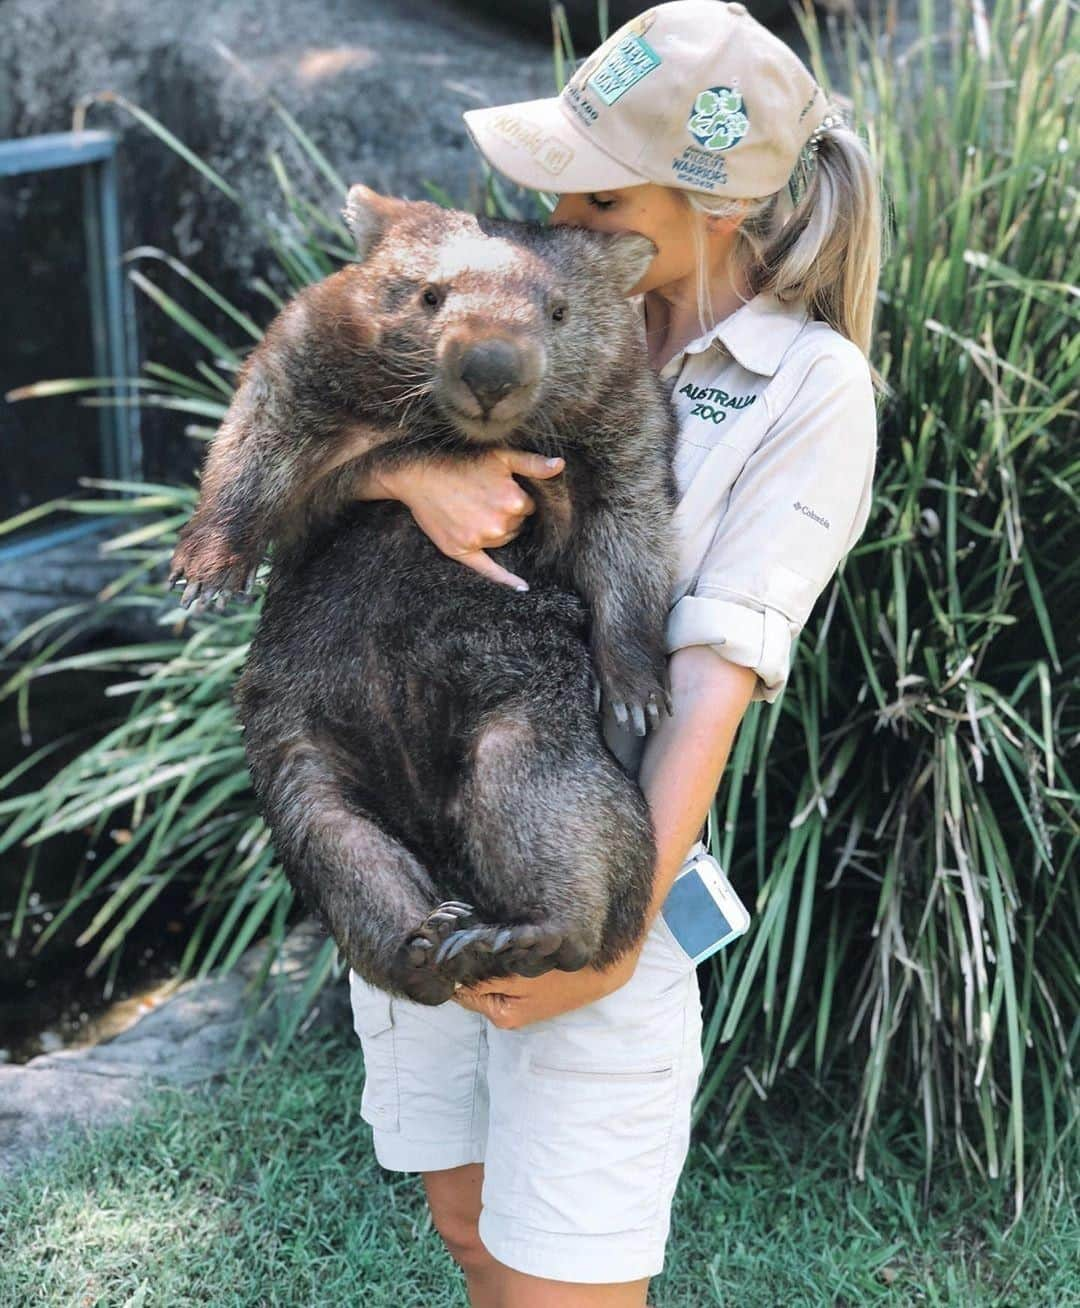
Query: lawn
x,y
265,1191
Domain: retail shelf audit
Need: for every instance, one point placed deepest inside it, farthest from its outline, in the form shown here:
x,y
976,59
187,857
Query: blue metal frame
x,y
112,312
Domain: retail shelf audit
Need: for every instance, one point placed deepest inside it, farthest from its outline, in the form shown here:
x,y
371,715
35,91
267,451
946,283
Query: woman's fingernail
x,y
522,585
552,462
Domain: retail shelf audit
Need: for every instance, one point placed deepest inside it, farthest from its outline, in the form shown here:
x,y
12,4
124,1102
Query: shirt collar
x,y
757,334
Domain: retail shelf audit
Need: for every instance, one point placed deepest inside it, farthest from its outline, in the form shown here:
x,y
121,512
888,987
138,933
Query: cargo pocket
x,y
373,1022
598,1137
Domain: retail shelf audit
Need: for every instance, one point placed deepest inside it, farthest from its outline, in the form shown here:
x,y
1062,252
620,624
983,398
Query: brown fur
x,y
420,736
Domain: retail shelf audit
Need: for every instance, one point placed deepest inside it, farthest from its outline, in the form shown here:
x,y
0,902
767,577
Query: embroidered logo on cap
x,y
718,119
631,60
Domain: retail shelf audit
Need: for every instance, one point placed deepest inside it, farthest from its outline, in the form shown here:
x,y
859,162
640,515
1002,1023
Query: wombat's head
x,y
485,319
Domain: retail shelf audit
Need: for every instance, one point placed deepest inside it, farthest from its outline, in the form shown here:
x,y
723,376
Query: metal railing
x,y
112,319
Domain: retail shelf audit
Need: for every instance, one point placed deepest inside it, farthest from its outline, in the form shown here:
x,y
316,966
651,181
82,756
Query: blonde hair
x,y
828,252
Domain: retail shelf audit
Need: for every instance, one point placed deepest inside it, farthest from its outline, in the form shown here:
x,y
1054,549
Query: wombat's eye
x,y
558,314
431,296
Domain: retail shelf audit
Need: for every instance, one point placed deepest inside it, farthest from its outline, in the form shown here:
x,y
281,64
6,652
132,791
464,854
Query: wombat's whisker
x,y
445,438
423,389
403,420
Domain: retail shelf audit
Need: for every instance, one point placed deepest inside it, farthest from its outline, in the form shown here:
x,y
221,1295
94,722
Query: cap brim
x,y
535,144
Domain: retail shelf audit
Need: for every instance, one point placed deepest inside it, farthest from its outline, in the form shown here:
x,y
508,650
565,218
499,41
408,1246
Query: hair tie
x,y
807,157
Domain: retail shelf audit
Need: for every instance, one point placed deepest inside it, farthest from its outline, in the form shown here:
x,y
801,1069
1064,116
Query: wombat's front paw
x,y
633,694
210,575
417,970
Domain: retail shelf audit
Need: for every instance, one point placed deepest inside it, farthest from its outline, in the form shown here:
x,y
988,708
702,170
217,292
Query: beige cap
x,y
693,93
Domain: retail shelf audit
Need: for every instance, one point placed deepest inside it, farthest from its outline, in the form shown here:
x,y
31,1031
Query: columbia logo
x,y
809,512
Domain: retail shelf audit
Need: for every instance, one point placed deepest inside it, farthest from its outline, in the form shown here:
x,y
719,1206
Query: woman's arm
x,y
466,508
684,758
681,766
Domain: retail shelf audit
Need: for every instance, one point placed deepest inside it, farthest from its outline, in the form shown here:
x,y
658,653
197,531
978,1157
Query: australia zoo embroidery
x,y
712,404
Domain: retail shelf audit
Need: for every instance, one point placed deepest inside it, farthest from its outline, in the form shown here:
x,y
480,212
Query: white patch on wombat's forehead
x,y
485,254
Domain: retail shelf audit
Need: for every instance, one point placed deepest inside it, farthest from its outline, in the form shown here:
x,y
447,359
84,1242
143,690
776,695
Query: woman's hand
x,y
515,1001
469,507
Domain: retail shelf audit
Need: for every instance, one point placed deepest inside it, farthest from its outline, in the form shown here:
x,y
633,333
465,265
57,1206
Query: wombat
x,y
424,741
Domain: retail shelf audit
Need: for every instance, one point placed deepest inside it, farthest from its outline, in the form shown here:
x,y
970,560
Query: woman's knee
x,y
453,1196
463,1243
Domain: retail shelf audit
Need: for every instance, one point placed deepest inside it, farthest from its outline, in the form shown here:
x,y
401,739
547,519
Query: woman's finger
x,y
484,564
528,464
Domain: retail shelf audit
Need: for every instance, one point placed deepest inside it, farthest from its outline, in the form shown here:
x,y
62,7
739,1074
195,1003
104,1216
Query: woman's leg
x,y
425,1097
519,1290
588,1137
453,1196
588,1130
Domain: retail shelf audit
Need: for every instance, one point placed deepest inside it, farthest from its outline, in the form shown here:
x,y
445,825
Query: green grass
x,y
265,1191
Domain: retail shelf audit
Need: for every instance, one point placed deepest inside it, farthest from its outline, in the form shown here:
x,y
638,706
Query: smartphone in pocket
x,y
702,910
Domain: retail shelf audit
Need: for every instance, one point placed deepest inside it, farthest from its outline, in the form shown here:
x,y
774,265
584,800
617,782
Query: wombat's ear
x,y
368,214
628,256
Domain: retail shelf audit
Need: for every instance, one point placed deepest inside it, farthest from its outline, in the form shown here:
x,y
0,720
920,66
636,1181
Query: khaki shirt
x,y
774,465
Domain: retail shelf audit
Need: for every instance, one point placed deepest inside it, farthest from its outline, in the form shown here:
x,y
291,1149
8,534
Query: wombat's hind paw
x,y
435,929
417,970
480,952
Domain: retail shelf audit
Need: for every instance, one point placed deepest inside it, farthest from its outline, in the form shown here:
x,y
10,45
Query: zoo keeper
x,y
550,1116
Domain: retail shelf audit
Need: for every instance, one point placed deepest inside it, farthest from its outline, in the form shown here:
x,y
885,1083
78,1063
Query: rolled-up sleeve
x,y
799,504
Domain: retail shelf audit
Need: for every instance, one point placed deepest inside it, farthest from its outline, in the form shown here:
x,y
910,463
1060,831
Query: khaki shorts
x,y
582,1121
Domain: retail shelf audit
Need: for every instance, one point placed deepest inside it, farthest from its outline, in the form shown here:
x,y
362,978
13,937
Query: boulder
x,y
188,1039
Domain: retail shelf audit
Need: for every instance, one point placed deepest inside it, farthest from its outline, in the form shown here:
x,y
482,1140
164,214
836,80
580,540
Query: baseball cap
x,y
693,93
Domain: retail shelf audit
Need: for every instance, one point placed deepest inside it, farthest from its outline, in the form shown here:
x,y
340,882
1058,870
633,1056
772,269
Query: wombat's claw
x,y
192,591
623,715
444,919
625,711
594,681
453,945
207,597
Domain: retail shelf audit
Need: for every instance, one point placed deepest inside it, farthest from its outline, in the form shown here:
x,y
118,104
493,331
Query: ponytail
x,y
825,250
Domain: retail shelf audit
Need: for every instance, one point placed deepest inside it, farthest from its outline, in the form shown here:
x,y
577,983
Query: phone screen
x,y
696,920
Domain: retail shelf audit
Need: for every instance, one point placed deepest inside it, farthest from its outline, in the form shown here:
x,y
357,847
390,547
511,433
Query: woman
x,y
550,1116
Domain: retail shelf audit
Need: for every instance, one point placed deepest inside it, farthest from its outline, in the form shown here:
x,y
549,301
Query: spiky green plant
x,y
914,820
904,819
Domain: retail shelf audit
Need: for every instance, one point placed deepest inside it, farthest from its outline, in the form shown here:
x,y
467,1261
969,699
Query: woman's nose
x,y
569,210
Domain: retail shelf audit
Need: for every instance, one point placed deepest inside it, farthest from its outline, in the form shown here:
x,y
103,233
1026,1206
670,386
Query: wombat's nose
x,y
491,370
